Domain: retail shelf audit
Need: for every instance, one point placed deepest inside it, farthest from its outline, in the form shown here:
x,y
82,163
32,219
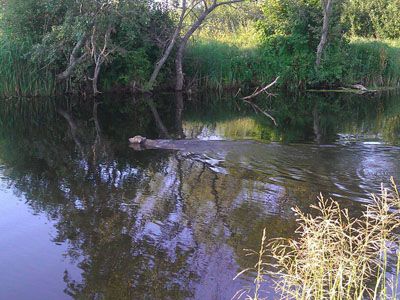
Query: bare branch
x,y
255,94
259,91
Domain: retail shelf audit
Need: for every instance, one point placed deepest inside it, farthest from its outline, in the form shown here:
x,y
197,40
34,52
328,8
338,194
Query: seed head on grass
x,y
335,256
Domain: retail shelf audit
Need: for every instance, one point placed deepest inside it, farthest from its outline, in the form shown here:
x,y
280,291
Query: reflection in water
x,y
163,224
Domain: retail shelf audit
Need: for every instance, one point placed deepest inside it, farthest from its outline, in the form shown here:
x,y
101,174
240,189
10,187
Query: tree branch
x,y
73,59
259,91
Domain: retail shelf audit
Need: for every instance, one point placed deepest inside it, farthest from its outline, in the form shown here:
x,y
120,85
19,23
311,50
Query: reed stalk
x,y
334,255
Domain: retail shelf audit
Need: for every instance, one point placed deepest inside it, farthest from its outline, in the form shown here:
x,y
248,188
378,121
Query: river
x,y
84,216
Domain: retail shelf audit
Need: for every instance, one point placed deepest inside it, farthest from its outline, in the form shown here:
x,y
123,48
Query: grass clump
x,y
19,75
334,255
374,62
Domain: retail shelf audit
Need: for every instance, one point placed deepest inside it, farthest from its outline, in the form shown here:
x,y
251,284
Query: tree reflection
x,y
156,224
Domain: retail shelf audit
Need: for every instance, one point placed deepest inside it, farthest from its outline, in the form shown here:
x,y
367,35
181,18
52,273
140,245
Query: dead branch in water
x,y
258,91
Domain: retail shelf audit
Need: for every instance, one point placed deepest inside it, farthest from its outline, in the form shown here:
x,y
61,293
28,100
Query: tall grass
x,y
374,62
19,75
218,65
227,60
335,256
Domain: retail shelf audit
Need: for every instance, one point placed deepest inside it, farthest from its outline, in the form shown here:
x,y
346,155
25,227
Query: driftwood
x,y
256,93
362,88
358,89
355,89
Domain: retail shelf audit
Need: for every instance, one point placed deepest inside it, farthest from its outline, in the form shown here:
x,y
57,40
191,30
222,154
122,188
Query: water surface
x,y
84,216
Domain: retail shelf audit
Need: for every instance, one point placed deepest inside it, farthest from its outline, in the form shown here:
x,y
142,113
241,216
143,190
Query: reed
x,y
335,256
374,62
20,76
225,60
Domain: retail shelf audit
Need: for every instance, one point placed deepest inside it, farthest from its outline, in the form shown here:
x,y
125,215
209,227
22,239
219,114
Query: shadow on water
x,y
162,224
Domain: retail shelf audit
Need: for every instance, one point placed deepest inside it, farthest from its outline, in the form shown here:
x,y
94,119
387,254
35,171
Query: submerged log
x,y
359,87
355,89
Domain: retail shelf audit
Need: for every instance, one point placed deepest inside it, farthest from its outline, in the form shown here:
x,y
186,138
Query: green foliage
x,y
374,18
373,62
292,18
243,45
53,28
291,31
286,44
127,68
220,65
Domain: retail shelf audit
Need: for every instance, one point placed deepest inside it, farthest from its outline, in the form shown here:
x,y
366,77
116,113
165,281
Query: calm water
x,y
84,216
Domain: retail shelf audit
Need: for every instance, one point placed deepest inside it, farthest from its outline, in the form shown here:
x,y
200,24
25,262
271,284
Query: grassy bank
x,y
218,63
334,255
374,62
239,59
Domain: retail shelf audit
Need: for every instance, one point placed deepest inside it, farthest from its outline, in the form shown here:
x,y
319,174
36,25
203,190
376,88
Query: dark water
x,y
84,216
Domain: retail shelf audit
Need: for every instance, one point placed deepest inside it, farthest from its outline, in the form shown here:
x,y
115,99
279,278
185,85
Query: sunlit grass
x,y
244,37
335,256
376,62
224,59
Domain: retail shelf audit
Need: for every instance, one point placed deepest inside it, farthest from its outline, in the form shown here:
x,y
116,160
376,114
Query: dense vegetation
x,y
283,41
72,41
49,47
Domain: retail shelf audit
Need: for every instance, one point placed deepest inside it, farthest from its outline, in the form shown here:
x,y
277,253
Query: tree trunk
x,y
179,67
327,8
96,74
187,36
182,47
168,51
100,58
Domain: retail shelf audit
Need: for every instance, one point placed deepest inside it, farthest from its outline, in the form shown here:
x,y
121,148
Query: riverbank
x,y
218,64
221,65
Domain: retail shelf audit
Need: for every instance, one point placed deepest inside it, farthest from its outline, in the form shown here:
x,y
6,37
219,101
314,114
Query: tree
x,y
327,6
374,18
77,39
192,14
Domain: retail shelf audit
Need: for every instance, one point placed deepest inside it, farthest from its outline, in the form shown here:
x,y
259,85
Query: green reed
x,y
222,62
374,62
19,75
